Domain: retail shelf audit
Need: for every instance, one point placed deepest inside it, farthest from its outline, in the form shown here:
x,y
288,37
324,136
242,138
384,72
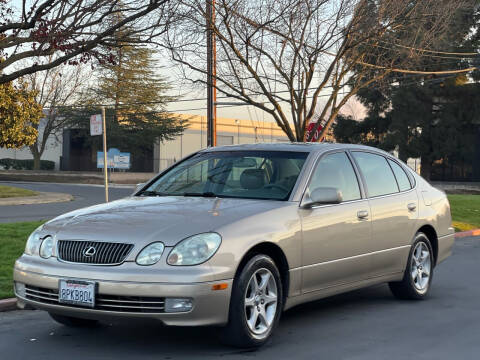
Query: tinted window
x,y
402,178
236,174
378,175
336,171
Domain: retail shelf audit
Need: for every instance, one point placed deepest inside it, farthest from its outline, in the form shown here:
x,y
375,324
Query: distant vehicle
x,y
234,235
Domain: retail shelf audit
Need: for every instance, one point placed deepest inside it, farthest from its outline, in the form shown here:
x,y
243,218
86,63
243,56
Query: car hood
x,y
141,220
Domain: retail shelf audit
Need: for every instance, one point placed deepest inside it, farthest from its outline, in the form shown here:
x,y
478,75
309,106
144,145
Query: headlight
x,y
150,254
33,242
46,249
195,249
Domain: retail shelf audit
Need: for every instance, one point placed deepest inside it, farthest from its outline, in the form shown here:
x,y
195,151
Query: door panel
x,y
335,244
336,237
393,210
393,228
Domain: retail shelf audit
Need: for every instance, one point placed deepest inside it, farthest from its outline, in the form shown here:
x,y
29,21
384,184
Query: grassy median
x,y
12,243
10,191
465,211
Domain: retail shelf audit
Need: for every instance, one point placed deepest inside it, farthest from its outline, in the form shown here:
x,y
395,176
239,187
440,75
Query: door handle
x,y
362,214
412,206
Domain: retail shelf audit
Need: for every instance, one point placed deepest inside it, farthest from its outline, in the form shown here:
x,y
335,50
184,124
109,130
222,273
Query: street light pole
x,y
211,76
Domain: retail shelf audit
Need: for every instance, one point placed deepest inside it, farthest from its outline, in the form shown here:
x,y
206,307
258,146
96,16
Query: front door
x,y
335,237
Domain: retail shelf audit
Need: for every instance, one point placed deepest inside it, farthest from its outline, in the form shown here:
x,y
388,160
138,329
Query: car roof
x,y
294,146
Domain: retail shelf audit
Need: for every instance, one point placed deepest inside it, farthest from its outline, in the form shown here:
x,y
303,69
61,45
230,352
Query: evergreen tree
x,y
428,117
135,92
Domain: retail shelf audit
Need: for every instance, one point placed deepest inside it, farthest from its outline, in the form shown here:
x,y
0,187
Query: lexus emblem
x,y
89,251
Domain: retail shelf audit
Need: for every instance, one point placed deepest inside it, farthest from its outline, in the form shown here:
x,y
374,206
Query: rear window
x,y
378,175
401,176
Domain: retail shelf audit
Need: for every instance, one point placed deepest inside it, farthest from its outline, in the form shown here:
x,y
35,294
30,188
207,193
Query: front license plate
x,y
77,292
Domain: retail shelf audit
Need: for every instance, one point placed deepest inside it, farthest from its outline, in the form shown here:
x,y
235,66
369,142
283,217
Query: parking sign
x,y
96,125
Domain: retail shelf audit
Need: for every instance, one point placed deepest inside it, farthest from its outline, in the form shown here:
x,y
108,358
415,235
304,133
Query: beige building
x,y
229,132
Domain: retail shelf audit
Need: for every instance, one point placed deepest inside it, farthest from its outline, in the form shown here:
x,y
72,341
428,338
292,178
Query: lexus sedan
x,y
232,236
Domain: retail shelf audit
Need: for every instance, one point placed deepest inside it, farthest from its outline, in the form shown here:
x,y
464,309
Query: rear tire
x,y
418,275
73,321
255,304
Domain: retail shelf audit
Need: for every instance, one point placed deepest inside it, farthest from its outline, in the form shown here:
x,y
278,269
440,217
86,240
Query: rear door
x,y
394,211
335,237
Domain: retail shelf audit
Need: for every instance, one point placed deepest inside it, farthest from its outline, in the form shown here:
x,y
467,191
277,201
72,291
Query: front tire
x,y
417,278
73,321
255,305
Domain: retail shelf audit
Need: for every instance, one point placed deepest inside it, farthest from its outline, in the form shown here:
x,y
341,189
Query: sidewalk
x,y
41,198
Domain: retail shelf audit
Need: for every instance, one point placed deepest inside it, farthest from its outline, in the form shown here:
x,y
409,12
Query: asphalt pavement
x,y
365,324
83,195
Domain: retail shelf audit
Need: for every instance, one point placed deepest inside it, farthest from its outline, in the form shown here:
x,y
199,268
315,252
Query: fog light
x,y
20,289
178,305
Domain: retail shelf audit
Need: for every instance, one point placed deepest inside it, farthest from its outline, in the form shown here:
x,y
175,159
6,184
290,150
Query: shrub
x,y
16,164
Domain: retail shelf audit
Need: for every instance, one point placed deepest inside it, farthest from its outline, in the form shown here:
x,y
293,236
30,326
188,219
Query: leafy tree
x,y
19,114
42,34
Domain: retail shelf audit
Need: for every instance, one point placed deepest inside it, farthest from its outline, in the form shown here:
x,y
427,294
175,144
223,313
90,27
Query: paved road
x,y
366,324
84,195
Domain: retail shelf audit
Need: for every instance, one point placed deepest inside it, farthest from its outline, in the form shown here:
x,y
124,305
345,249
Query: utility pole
x,y
211,73
105,164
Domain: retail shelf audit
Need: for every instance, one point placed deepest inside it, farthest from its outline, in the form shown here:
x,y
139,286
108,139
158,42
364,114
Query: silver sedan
x,y
232,236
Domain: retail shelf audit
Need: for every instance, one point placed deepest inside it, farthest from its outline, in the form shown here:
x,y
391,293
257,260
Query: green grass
x,y
465,211
9,191
12,243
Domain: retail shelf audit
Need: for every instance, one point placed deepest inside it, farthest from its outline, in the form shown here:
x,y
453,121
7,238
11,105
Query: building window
x,y
224,140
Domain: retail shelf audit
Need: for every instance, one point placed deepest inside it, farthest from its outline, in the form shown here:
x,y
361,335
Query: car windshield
x,y
235,174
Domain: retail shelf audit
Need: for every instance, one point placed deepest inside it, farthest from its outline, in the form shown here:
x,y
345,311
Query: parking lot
x,y
365,324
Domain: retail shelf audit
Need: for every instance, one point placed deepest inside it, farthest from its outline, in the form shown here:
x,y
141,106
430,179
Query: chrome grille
x,y
105,253
128,304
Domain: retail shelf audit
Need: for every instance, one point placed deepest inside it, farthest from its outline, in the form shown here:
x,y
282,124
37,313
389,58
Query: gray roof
x,y
297,146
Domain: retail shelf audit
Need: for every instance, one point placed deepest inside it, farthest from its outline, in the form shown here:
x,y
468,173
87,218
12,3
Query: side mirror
x,y
322,196
138,187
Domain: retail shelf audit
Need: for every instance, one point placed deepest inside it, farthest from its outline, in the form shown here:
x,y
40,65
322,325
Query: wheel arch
x,y
430,232
278,256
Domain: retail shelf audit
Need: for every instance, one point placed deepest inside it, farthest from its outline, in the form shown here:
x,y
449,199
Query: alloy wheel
x,y
421,267
261,301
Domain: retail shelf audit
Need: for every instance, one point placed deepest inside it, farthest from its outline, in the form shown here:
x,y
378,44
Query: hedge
x,y
15,164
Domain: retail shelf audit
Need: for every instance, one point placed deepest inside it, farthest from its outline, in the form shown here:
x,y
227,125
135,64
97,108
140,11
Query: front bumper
x,y
210,307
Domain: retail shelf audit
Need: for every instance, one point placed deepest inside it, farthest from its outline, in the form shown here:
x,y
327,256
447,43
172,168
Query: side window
x,y
335,170
378,175
402,178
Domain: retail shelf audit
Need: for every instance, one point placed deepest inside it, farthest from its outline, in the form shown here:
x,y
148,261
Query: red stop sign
x,y
317,133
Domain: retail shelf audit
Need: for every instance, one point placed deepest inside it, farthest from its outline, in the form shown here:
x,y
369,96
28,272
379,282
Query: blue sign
x,y
115,159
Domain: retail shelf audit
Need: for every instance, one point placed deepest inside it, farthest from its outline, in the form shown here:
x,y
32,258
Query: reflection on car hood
x,y
142,220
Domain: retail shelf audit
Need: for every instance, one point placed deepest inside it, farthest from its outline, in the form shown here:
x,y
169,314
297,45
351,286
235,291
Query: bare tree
x,y
56,89
53,32
285,56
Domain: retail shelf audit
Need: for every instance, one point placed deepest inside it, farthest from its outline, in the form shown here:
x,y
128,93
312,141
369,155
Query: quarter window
x,y
402,178
378,175
335,170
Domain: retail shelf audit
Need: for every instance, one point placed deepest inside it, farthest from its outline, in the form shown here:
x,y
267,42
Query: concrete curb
x,y
8,304
41,198
474,232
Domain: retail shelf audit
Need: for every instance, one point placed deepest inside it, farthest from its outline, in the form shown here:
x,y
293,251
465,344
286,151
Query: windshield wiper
x,y
204,194
152,193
